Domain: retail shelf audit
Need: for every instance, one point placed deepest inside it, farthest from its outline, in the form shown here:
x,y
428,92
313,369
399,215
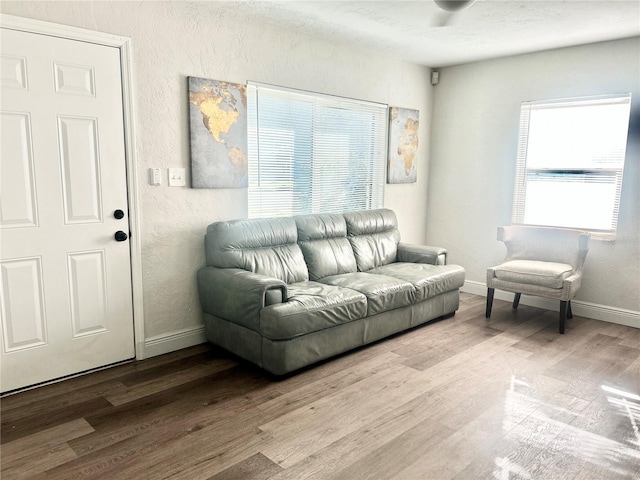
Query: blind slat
x,y
311,153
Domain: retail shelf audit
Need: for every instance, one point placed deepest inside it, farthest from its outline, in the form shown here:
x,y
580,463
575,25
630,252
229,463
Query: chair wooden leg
x,y
569,312
516,301
490,292
564,306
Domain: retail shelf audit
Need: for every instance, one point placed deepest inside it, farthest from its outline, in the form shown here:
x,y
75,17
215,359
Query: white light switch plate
x,y
155,176
177,177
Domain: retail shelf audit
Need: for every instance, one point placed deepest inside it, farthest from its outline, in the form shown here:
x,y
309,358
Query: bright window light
x,y
313,153
571,157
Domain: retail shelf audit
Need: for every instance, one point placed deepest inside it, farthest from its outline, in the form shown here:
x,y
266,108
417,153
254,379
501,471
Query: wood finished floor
x,y
463,398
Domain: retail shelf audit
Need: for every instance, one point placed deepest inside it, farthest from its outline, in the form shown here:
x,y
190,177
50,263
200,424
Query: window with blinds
x,y
313,153
571,157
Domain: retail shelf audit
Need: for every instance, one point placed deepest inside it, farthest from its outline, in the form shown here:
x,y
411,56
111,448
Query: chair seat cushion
x,y
533,272
311,306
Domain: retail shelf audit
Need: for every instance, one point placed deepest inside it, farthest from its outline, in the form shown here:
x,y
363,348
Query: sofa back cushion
x,y
374,237
266,246
324,244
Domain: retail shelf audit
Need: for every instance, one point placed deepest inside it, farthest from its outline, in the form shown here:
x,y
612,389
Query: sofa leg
x,y
516,301
490,292
563,314
569,312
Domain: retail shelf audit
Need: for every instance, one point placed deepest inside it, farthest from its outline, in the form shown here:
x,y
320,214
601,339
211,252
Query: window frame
x,y
307,149
589,173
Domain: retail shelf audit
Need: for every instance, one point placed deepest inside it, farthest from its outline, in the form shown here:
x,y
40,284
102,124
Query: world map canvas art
x,y
403,145
218,124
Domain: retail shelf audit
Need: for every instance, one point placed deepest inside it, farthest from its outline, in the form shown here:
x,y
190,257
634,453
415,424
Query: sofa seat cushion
x,y
310,307
543,274
428,280
383,292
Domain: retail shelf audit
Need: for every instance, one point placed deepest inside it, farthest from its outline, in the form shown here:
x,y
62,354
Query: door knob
x,y
120,236
118,214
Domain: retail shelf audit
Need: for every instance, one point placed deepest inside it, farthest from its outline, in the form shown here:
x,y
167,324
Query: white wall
x,y
173,40
473,157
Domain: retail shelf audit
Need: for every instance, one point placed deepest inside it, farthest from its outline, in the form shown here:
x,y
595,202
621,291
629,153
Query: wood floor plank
x,y
180,410
203,465
33,454
168,379
256,467
64,400
441,347
46,439
195,455
65,387
13,430
454,452
464,398
176,367
587,369
36,463
304,431
313,391
425,409
389,459
331,459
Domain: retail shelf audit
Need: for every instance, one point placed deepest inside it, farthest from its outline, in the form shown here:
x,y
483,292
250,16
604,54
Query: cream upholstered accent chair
x,y
546,262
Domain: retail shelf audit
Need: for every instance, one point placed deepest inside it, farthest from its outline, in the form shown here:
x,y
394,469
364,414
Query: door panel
x,y
88,287
23,318
66,283
16,173
80,169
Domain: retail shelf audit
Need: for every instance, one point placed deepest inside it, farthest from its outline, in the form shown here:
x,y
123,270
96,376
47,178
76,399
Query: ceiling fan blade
x,y
454,5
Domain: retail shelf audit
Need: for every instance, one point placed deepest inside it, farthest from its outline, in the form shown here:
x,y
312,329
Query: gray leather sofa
x,y
284,293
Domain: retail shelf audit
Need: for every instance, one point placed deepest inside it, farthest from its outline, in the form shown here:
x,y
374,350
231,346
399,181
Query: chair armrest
x,y
570,286
238,295
413,253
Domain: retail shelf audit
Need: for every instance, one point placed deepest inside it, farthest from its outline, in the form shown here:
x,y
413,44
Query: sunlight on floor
x,y
548,442
628,405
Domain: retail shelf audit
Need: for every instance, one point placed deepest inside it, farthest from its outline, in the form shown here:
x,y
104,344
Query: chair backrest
x,y
558,245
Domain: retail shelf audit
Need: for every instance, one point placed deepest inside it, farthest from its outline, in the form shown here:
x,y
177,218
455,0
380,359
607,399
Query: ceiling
x,y
420,32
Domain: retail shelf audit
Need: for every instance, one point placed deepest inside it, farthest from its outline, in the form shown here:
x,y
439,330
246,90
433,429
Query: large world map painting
x,y
403,145
218,121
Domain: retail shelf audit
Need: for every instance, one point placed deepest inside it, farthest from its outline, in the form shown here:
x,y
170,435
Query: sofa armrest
x,y
413,253
238,295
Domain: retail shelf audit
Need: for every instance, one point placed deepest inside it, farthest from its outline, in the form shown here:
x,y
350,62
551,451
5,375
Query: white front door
x,y
65,292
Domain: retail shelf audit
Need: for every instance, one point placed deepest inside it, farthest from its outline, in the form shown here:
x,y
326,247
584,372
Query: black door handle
x,y
118,214
120,236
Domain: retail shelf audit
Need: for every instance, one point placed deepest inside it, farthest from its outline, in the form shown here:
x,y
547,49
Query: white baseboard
x,y
605,313
170,342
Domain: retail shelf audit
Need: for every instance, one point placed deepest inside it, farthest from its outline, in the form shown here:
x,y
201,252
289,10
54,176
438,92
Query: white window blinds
x,y
313,153
571,157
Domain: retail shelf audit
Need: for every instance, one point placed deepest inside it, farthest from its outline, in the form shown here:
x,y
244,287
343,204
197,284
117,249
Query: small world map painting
x,y
218,124
403,145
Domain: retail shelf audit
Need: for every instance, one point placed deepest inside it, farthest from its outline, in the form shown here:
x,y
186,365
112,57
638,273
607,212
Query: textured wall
x,y
473,157
173,40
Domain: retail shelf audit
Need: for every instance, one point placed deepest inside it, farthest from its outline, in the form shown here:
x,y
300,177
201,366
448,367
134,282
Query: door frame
x,y
126,69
